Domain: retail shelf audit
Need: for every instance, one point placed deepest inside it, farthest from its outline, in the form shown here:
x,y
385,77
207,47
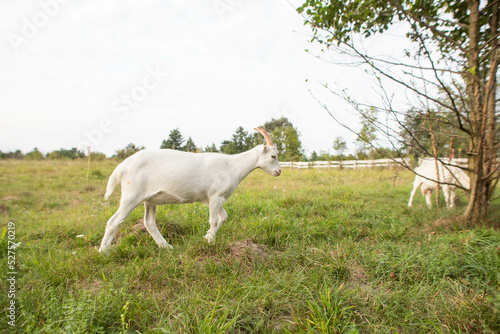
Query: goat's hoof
x,y
209,237
165,245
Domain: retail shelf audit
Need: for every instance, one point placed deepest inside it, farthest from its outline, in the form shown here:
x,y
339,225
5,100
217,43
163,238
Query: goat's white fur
x,y
156,177
449,178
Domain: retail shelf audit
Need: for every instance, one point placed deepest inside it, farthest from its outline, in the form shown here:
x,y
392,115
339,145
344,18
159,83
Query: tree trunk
x,y
490,122
482,116
476,205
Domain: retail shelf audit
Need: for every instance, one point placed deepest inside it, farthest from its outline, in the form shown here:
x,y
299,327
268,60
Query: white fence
x,y
462,162
353,164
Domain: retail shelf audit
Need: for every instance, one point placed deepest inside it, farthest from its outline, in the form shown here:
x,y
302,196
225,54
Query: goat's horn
x,y
265,134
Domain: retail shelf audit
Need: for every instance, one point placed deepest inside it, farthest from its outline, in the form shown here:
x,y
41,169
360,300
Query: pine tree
x,y
174,140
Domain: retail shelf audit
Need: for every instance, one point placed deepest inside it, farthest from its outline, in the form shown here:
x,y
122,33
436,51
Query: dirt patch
x,y
137,229
357,278
168,230
441,224
93,287
358,275
455,223
282,322
245,253
4,207
76,201
89,189
248,249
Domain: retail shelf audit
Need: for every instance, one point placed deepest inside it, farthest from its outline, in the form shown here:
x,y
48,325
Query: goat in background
x,y
449,178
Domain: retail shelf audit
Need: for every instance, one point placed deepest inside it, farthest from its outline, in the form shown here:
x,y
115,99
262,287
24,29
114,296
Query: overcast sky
x,y
109,73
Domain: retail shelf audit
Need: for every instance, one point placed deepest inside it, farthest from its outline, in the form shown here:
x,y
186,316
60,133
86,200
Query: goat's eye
x,y
273,156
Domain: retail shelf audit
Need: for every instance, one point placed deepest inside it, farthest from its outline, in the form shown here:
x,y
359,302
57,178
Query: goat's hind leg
x,y
126,207
150,223
427,192
449,195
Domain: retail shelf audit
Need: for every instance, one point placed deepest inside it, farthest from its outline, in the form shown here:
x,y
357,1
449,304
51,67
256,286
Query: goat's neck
x,y
244,163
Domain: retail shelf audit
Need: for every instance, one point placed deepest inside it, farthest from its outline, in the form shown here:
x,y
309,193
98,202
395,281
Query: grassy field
x,y
313,251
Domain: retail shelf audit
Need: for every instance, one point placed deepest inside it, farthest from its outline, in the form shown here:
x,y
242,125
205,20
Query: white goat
x,y
158,177
449,178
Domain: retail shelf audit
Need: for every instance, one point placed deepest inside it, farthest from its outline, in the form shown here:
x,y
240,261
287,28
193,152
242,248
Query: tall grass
x,y
313,251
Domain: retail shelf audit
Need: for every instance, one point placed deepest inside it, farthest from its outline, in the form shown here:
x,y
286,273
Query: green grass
x,y
313,251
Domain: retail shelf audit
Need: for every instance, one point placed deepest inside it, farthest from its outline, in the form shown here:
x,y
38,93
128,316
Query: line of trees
x,y
35,154
285,135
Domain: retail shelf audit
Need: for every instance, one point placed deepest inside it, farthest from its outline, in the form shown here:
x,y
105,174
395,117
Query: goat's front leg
x,y
222,217
417,183
217,218
412,194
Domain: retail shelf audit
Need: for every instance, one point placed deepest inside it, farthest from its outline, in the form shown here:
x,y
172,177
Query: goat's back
x,y
190,177
449,174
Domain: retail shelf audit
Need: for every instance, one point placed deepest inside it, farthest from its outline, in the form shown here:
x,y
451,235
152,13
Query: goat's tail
x,y
114,179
